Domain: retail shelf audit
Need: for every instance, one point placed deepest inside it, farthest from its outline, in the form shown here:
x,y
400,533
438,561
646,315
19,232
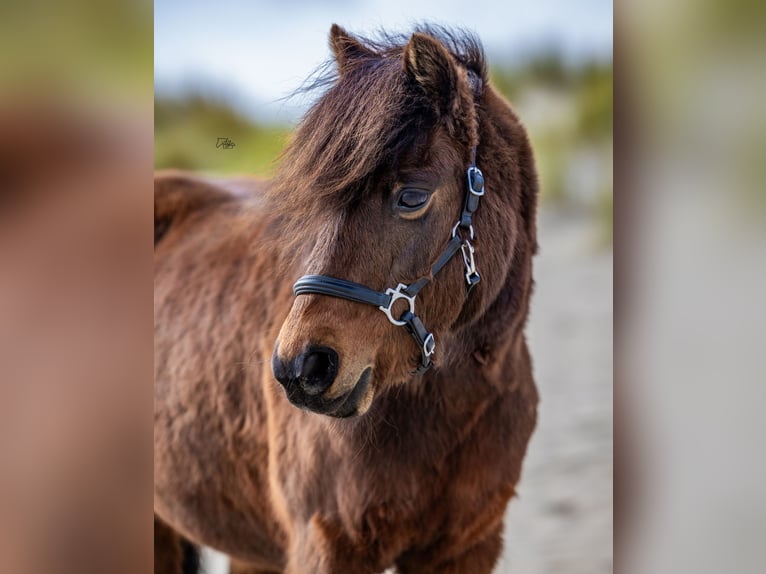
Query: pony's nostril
x,y
316,369
279,369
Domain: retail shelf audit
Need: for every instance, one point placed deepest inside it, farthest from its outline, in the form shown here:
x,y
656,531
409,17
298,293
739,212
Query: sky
x,y
257,52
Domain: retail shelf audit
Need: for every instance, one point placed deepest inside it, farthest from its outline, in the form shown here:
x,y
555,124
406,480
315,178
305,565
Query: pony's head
x,y
369,191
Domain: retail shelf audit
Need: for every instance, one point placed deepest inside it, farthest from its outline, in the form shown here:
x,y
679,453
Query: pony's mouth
x,y
353,399
347,405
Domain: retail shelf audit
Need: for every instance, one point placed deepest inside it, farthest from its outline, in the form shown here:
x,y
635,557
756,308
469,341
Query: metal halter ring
x,y
397,294
470,230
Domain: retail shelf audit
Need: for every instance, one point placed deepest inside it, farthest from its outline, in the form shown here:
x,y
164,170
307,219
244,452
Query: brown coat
x,y
421,477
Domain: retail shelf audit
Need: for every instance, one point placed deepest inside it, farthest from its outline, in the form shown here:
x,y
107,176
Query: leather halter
x,y
343,289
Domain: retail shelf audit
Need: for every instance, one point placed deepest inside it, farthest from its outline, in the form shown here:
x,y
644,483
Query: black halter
x,y
324,285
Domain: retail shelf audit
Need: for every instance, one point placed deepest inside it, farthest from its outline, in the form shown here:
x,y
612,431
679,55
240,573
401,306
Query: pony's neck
x,y
490,333
490,348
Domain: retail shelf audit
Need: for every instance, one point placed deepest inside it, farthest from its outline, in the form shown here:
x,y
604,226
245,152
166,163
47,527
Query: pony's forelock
x,y
364,119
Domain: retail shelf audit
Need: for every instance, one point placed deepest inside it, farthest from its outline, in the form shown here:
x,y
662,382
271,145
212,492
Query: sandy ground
x,y
561,521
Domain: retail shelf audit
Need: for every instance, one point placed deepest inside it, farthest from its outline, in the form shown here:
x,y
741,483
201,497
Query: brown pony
x,y
290,432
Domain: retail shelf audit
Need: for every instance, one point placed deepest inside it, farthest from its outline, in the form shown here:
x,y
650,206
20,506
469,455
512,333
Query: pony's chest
x,y
403,495
408,510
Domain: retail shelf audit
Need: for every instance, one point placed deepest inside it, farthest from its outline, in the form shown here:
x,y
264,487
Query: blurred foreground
x,y
75,287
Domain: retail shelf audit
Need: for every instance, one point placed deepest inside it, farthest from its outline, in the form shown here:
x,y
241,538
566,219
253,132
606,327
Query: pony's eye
x,y
412,199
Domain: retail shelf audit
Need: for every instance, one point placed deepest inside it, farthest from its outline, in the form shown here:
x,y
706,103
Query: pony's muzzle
x,y
308,377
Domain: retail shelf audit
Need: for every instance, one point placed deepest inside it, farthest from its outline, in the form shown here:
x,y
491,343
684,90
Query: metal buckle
x,y
429,345
472,276
397,294
476,173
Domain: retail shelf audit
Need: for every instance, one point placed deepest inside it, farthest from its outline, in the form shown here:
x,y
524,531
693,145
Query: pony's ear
x,y
431,66
346,48
177,196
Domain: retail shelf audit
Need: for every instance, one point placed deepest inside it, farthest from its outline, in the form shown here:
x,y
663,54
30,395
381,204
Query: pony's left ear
x,y
346,48
431,66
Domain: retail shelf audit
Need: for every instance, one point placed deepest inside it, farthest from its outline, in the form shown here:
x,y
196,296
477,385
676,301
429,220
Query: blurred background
x,y
228,69
76,327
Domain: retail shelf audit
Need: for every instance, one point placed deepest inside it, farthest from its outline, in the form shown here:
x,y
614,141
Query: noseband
x,y
343,289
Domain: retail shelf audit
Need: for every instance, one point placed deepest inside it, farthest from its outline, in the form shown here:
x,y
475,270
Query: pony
x,y
339,424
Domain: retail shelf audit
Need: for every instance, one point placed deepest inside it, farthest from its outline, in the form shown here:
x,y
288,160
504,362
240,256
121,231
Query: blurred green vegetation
x,y
568,113
567,110
186,133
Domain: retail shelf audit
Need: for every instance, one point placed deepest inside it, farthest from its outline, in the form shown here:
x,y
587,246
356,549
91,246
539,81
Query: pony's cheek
x,y
396,360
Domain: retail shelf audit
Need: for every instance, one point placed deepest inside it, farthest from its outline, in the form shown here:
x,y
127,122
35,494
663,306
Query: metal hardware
x,y
475,177
429,345
472,276
470,230
397,294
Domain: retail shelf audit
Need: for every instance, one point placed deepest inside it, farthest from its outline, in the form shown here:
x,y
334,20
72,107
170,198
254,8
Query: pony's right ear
x,y
347,48
177,196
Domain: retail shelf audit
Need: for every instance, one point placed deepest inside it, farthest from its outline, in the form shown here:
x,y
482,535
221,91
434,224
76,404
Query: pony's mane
x,y
365,118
